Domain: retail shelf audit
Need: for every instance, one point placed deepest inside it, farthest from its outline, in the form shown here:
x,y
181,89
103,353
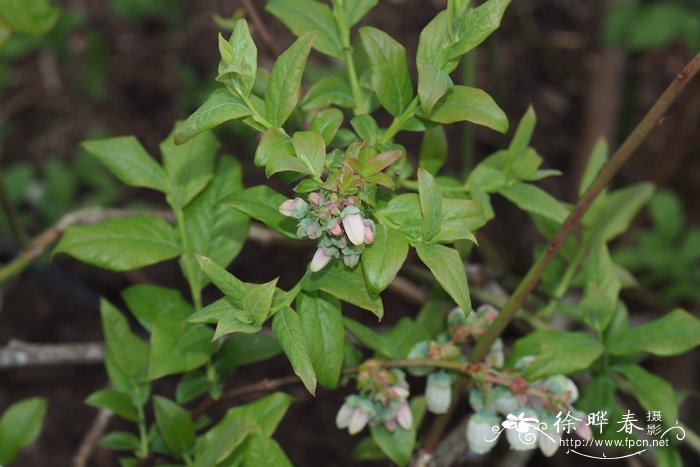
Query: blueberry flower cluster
x,y
452,346
336,223
382,400
529,409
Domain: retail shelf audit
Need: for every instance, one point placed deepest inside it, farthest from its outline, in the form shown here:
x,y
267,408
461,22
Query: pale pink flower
x,y
320,260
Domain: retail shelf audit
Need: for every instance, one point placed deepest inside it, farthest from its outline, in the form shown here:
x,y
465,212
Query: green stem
x,y
143,434
344,31
399,122
256,115
606,173
564,282
692,439
188,259
11,213
429,362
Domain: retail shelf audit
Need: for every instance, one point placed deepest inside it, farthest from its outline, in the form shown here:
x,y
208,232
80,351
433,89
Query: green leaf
x,y
188,166
523,135
618,211
463,103
460,217
433,150
346,284
234,320
147,301
273,143
432,51
595,161
177,347
399,445
262,450
322,321
244,349
282,92
31,17
676,333
282,163
303,16
121,243
174,425
233,288
326,92
266,412
311,150
476,25
558,352
430,204
666,212
371,339
388,70
215,230
602,288
433,84
258,300
127,352
128,161
382,260
20,426
239,59
220,441
120,441
354,10
221,106
262,203
287,327
366,127
448,269
326,124
535,200
653,392
116,401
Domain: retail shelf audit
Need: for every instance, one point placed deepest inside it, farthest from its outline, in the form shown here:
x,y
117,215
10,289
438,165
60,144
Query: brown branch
x,y
93,435
527,285
18,354
266,385
260,28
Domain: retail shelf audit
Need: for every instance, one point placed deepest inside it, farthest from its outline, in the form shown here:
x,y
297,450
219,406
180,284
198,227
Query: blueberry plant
x,y
366,202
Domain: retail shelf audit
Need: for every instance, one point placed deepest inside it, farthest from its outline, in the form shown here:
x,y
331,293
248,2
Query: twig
x,y
526,286
260,28
21,354
93,435
265,385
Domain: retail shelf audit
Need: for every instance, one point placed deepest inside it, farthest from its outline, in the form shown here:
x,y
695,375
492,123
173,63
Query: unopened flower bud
x,y
560,384
583,429
549,441
319,260
495,357
524,436
479,430
296,208
438,393
313,230
404,416
315,198
353,225
334,228
362,415
351,260
369,231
